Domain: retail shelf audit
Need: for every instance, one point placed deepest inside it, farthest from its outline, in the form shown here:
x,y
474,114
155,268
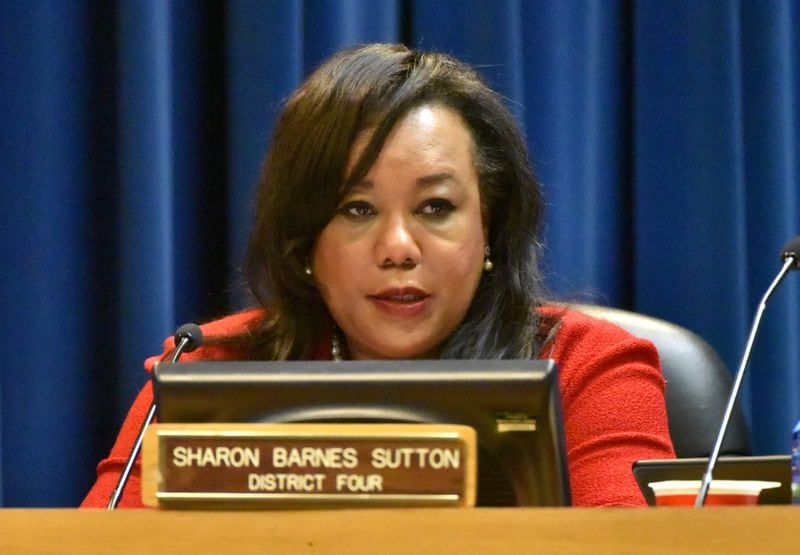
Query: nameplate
x,y
300,465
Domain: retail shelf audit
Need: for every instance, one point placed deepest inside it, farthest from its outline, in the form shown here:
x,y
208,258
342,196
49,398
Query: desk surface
x,y
726,530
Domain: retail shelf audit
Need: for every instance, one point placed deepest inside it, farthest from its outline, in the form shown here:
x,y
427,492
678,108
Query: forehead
x,y
428,134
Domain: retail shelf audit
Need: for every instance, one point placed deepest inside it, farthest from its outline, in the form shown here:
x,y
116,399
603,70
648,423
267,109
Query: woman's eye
x,y
437,207
358,210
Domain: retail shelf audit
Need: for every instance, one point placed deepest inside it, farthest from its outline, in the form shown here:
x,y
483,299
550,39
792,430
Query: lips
x,y
402,302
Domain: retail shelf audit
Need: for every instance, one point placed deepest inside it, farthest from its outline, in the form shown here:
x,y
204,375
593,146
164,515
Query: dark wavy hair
x,y
304,179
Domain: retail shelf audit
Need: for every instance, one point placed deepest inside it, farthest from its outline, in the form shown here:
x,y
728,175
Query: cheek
x,y
471,251
333,266
466,260
462,267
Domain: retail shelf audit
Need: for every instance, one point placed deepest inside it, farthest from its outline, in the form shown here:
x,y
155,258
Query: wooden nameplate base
x,y
283,466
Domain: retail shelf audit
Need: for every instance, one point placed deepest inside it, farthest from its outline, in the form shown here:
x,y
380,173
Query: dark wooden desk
x,y
765,529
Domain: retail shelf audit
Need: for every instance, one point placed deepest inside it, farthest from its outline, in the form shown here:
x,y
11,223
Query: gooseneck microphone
x,y
188,337
790,254
792,250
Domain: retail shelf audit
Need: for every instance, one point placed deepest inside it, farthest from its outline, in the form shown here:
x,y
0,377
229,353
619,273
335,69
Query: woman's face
x,y
399,262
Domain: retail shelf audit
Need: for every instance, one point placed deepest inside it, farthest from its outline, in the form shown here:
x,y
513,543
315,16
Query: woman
x,y
397,215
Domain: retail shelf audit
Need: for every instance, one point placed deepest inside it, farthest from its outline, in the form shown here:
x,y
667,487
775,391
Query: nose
x,y
396,244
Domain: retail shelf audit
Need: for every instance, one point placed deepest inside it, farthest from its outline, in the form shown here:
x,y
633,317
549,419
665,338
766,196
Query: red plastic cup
x,y
721,492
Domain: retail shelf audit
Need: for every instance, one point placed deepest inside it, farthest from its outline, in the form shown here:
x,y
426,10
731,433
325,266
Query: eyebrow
x,y
423,182
435,179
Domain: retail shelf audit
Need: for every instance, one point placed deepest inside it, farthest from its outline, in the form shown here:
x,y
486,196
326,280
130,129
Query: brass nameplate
x,y
283,465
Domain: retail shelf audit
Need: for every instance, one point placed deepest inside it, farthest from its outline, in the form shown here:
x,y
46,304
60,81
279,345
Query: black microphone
x,y
792,250
790,254
188,337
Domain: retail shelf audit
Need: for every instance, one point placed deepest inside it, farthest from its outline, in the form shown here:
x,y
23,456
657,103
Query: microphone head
x,y
792,250
192,333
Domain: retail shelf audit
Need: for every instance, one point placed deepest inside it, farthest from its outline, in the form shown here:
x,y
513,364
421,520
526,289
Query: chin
x,y
401,352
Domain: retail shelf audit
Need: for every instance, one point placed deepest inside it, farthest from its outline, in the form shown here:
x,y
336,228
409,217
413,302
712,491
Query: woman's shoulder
x,y
231,325
580,335
572,321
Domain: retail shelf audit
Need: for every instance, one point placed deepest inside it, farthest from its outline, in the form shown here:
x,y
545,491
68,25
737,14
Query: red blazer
x,y
612,396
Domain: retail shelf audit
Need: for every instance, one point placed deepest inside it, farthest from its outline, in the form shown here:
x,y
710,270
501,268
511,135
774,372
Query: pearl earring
x,y
487,263
336,350
307,269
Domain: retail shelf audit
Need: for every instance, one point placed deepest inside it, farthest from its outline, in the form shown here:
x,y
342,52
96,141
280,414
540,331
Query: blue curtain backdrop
x,y
666,134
